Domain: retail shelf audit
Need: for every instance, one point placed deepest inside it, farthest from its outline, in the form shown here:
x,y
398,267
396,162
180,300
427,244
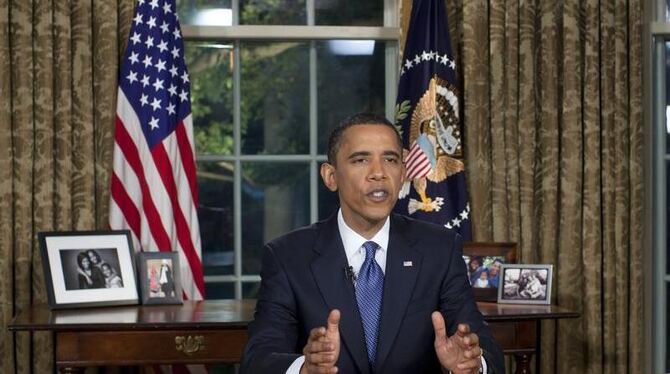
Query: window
x,y
659,82
269,80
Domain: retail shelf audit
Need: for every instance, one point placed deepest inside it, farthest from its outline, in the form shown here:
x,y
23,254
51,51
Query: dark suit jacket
x,y
304,277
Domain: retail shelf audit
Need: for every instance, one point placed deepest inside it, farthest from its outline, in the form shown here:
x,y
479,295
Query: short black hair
x,y
363,118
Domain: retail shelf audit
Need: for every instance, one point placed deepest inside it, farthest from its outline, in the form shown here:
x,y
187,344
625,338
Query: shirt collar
x,y
353,242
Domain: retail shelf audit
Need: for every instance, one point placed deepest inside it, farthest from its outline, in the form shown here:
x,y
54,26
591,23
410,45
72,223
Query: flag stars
x,y
464,215
138,19
408,64
153,123
425,56
174,71
171,109
184,77
176,33
144,100
133,58
158,84
147,61
145,80
135,38
172,90
165,28
452,64
162,46
151,22
154,4
132,77
456,222
175,52
160,65
156,104
183,95
149,42
166,8
445,59
417,59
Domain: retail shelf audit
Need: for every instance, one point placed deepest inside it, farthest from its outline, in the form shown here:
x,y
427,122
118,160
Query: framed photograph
x,y
159,278
483,262
88,268
525,284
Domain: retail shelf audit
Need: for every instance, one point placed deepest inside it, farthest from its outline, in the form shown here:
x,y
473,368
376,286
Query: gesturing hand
x,y
460,352
323,347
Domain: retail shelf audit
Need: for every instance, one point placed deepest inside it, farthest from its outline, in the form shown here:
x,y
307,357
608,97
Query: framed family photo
x,y
159,278
525,284
88,268
483,261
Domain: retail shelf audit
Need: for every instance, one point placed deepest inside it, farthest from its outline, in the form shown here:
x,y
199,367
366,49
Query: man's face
x,y
368,175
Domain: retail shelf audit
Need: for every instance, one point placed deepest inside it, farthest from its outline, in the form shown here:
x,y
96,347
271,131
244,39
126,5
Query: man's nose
x,y
377,170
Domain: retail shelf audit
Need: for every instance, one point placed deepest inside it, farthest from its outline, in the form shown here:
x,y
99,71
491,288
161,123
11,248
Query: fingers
x,y
439,326
333,321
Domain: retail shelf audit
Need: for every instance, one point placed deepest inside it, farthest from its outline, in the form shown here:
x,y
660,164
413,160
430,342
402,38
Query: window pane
x,y
210,67
275,200
328,201
350,79
349,12
215,213
275,97
250,290
273,12
205,13
219,290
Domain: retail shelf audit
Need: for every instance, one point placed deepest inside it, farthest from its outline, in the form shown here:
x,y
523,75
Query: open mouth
x,y
378,195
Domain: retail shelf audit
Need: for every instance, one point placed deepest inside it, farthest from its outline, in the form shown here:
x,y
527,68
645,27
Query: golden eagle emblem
x,y
434,128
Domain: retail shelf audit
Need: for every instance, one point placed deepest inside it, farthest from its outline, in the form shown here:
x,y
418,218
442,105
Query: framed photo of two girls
x,y
98,268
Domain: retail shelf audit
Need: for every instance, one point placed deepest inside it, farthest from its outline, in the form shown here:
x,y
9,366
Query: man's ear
x,y
328,176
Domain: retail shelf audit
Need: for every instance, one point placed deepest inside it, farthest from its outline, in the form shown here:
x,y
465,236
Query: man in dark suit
x,y
367,291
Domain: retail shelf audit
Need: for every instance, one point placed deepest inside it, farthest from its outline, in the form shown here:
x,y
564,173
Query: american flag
x,y
154,187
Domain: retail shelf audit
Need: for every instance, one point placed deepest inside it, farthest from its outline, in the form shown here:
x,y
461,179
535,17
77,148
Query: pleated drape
x,y
552,96
58,77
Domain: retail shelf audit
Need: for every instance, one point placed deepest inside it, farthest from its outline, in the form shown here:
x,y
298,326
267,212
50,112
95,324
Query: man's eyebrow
x,y
392,153
359,154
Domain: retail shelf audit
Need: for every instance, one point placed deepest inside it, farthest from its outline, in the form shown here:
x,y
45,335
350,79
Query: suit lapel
x,y
402,268
328,269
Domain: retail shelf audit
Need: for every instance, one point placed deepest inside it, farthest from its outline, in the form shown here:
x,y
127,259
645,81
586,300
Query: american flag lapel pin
x,y
407,264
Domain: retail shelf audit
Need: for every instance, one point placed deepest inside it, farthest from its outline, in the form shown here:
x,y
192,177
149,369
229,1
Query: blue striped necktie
x,y
369,292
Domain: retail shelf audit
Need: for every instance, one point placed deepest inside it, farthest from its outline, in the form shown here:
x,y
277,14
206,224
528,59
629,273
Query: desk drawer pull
x,y
189,344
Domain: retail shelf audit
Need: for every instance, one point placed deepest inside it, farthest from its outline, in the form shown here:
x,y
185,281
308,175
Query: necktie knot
x,y
370,249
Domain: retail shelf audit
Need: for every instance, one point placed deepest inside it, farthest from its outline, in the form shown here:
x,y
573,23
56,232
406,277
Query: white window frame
x,y
310,32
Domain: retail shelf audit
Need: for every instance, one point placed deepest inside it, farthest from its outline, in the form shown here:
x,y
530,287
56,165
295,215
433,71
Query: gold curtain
x,y
552,114
58,79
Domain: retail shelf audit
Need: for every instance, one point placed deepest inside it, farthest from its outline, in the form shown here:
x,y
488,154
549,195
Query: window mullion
x,y
237,186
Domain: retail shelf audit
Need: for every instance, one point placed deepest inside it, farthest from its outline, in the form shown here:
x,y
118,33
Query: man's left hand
x,y
459,353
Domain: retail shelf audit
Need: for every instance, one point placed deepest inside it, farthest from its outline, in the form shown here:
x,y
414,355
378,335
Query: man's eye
x,y
392,159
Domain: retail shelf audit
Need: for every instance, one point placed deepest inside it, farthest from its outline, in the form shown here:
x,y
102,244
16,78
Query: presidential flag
x,y
427,114
154,192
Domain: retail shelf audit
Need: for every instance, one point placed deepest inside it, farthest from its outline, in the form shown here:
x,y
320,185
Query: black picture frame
x,y
88,268
160,280
491,255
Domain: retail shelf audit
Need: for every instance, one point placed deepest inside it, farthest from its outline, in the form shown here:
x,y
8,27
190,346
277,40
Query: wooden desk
x,y
214,331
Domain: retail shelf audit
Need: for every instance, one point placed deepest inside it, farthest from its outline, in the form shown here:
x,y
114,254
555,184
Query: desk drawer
x,y
149,347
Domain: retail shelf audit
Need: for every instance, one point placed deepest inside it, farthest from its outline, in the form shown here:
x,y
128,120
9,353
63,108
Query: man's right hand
x,y
323,347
